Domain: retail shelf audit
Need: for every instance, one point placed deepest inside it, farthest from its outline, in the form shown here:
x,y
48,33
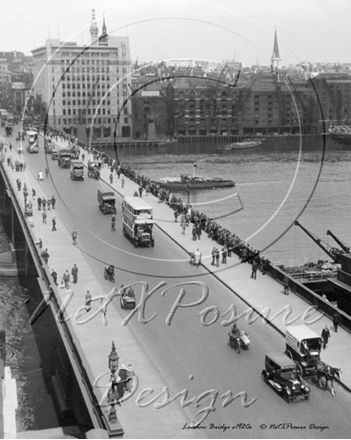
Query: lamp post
x,y
114,396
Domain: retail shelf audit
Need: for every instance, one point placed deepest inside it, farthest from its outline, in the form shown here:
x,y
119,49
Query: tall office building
x,y
85,86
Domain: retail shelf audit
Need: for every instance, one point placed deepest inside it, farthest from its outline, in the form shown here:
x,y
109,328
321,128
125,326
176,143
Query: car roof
x,y
301,332
281,359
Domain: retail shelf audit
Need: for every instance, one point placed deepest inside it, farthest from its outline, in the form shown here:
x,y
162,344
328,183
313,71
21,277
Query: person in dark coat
x,y
39,203
325,336
336,321
74,273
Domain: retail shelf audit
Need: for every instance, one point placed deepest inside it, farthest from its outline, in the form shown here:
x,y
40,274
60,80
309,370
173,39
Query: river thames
x,y
277,183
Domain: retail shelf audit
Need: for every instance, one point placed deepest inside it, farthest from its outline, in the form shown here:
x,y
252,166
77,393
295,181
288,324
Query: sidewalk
x,y
94,339
264,295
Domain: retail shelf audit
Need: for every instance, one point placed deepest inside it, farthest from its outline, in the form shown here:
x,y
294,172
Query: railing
x,y
43,275
308,295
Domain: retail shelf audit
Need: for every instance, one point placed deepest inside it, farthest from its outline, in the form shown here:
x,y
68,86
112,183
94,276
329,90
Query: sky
x,y
308,30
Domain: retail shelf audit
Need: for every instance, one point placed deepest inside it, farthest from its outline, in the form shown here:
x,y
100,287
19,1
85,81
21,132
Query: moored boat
x,y
188,182
340,133
238,146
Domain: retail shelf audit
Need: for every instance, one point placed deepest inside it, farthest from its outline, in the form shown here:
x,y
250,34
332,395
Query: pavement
x,y
263,295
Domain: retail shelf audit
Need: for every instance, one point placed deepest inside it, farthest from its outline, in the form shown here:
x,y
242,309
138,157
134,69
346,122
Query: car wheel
x,y
265,375
286,396
322,381
289,354
299,370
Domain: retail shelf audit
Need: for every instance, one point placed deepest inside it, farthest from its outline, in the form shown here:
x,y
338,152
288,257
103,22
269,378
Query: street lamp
x,y
114,395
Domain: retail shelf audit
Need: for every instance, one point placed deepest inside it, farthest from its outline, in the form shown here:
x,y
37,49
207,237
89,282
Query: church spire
x,y
93,28
104,29
104,37
275,60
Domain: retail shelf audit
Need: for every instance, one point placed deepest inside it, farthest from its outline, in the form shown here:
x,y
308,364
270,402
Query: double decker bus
x,y
32,139
138,221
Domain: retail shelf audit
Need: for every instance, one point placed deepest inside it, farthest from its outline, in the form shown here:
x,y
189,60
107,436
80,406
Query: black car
x,y
281,374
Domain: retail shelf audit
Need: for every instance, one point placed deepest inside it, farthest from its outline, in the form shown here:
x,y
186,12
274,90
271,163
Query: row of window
x,y
93,93
100,111
83,102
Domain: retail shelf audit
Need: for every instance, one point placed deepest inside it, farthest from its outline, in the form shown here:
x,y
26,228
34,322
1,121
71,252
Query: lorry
x,y
64,157
138,221
77,170
107,202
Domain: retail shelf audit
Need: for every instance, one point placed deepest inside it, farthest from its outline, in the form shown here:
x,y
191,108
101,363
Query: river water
x,y
35,406
276,183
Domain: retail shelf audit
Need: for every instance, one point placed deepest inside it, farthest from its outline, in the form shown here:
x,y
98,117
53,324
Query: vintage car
x,y
303,345
48,146
107,202
54,154
281,374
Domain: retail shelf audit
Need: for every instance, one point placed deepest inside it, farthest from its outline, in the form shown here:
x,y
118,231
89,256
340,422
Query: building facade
x,y
85,89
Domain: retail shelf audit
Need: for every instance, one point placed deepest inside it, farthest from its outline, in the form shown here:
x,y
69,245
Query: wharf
x,y
94,339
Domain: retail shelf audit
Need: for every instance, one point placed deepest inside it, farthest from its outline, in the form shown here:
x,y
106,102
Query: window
x,y
126,120
64,112
63,102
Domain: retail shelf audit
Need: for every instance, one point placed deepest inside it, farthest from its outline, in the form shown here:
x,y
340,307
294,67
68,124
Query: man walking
x,y
286,285
122,180
54,276
44,216
53,201
111,178
54,224
39,203
66,279
254,269
140,191
325,336
74,273
224,255
336,321
88,300
45,255
74,236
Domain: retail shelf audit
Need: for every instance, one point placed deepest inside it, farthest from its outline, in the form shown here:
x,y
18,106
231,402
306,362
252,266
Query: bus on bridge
x,y
137,221
32,139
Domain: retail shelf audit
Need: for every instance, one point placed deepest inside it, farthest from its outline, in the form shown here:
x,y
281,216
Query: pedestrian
x,y
24,166
111,178
45,255
49,203
88,300
254,268
194,233
54,224
336,321
44,217
47,172
74,236
217,257
74,273
33,193
286,285
66,279
224,255
83,157
122,180
113,223
183,225
43,202
176,213
53,201
140,191
54,276
213,253
325,336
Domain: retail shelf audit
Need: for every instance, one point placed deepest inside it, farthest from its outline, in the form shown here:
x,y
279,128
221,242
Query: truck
x,y
77,170
107,202
64,157
138,221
